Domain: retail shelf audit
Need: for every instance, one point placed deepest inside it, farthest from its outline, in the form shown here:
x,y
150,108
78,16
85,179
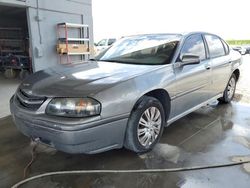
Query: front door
x,y
193,82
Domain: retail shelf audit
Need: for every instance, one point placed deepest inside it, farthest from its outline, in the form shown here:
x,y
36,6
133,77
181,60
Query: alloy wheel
x,y
231,88
149,126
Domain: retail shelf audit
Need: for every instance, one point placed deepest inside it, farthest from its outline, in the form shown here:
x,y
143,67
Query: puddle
x,y
163,152
165,156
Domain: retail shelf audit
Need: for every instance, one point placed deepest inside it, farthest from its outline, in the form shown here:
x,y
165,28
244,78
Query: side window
x,y
225,46
111,41
215,46
194,45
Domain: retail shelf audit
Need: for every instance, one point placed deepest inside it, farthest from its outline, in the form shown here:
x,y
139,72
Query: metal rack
x,y
76,45
14,57
11,40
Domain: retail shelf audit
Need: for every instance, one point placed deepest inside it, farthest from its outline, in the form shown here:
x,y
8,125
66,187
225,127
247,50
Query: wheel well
x,y
237,74
163,96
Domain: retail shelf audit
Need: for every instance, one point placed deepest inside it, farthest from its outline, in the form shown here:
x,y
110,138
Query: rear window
x,y
215,46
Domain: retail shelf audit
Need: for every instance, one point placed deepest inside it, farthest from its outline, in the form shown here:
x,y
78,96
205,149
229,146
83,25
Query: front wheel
x,y
230,90
145,125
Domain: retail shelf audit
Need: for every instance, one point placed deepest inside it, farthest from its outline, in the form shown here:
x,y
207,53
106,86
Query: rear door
x,y
193,82
220,63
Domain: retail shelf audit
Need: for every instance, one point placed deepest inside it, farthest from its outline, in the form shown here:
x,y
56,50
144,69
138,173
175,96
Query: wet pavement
x,y
214,134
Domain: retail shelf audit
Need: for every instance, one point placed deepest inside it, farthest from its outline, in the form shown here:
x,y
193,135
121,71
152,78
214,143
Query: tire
x,y
10,73
228,93
153,131
24,74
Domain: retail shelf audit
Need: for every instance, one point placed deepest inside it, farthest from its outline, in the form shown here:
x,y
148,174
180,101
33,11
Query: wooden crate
x,y
72,48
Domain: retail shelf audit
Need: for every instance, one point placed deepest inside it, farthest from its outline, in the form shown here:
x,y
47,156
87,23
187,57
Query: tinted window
x,y
194,45
111,41
215,46
225,46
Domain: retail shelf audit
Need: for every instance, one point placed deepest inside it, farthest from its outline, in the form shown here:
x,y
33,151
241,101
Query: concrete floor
x,y
214,134
7,89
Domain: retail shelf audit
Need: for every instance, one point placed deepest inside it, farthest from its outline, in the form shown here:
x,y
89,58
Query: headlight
x,y
73,107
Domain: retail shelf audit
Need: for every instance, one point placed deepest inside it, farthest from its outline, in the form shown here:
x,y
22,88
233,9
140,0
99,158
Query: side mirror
x,y
189,59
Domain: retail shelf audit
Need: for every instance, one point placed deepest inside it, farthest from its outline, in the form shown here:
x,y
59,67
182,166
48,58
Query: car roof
x,y
178,35
154,34
174,36
197,32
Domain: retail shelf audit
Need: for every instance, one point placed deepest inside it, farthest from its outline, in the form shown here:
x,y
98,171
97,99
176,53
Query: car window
x,y
111,41
225,47
194,45
102,42
144,49
215,46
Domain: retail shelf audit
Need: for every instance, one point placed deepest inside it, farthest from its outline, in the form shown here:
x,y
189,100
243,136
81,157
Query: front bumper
x,y
102,136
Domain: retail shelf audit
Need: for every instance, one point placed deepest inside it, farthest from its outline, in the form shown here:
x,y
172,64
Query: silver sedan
x,y
128,94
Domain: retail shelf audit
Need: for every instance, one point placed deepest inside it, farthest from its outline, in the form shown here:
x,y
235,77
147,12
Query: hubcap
x,y
149,126
231,88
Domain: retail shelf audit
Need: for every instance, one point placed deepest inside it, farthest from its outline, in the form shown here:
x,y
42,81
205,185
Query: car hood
x,y
82,79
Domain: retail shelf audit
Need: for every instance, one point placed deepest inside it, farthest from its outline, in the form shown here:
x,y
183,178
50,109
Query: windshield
x,y
145,49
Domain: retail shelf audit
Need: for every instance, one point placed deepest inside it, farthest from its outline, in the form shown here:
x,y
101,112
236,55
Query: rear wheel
x,y
230,90
145,125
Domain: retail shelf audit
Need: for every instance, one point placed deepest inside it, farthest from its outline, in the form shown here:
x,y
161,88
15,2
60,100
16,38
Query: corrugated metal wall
x,y
43,16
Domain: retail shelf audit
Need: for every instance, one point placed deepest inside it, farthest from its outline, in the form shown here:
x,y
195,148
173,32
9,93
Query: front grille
x,y
28,101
